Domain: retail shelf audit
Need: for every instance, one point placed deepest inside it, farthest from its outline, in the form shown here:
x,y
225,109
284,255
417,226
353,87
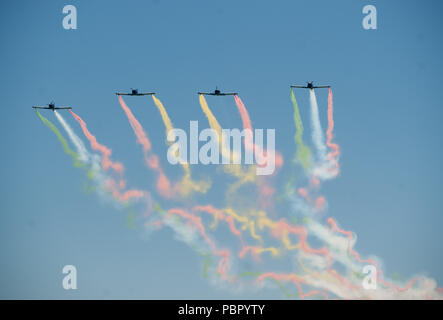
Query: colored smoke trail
x,y
296,279
165,117
317,132
333,146
333,155
266,191
303,153
106,152
233,169
163,184
348,287
60,138
278,159
213,123
187,185
197,222
246,120
312,254
83,154
324,168
92,173
105,183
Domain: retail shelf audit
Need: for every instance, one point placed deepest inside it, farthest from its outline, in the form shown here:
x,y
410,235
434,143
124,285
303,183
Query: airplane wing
x,y
62,108
146,94
38,107
301,87
122,94
206,93
228,94
319,87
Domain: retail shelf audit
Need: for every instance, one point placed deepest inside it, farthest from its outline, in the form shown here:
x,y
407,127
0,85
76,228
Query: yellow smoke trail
x,y
64,143
255,219
187,185
257,250
233,169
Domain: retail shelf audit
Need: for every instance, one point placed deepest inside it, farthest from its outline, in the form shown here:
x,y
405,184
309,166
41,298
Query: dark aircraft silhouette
x,y
134,92
51,106
218,93
310,86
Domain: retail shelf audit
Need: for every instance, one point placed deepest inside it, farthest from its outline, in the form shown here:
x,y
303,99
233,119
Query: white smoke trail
x,y
350,283
91,159
322,166
317,131
83,155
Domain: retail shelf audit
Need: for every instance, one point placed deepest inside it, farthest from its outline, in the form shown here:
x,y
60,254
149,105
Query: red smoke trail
x,y
163,184
320,203
349,235
399,289
245,250
256,251
304,193
357,257
243,113
332,156
277,230
107,163
106,153
302,233
266,191
283,226
126,195
246,120
224,253
220,216
294,278
335,148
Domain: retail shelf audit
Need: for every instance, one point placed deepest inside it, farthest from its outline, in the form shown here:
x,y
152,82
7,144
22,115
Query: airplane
x,y
51,106
310,86
134,92
218,93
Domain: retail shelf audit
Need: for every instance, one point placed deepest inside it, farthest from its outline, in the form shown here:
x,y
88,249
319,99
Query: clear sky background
x,y
388,112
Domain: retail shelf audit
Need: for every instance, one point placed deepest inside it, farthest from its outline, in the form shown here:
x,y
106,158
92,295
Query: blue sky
x,y
387,99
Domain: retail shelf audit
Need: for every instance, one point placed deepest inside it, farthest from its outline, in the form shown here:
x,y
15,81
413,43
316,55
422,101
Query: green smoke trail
x,y
303,153
207,261
286,292
250,274
88,189
89,173
279,284
130,218
60,138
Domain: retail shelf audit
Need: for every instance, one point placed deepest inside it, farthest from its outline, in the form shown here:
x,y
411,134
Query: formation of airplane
x,y
51,106
134,92
218,93
310,86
